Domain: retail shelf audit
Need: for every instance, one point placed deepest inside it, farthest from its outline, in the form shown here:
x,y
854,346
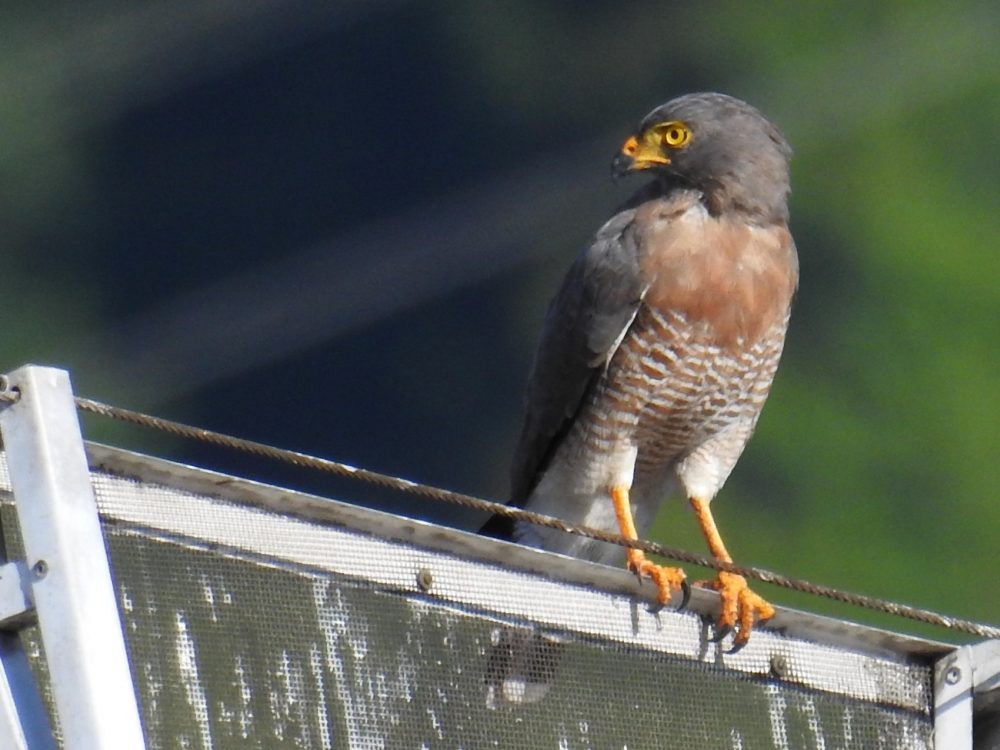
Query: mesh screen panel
x,y
248,628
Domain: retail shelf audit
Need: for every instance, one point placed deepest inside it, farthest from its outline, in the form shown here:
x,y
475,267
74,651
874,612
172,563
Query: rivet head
x,y
425,579
40,569
779,665
953,675
8,393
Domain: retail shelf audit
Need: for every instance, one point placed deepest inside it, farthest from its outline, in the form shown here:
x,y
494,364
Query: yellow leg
x,y
740,606
667,580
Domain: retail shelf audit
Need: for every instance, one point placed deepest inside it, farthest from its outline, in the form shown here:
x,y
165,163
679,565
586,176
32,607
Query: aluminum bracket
x,y
16,608
70,578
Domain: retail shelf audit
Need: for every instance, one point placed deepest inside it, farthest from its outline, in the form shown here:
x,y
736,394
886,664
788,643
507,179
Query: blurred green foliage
x,y
875,463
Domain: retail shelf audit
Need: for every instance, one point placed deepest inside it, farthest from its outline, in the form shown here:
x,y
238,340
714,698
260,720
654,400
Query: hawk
x,y
658,351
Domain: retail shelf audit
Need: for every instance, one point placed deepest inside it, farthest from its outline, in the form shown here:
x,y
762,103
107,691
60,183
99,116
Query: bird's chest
x,y
668,371
730,283
696,363
671,386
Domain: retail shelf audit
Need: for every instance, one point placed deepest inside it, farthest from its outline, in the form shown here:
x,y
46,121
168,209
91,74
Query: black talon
x,y
685,595
655,609
720,633
737,647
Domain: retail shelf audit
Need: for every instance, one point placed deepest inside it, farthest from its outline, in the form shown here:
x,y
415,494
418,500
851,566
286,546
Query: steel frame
x,y
967,698
68,580
65,585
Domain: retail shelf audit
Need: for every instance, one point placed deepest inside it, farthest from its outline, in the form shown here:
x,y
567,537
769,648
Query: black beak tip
x,y
621,165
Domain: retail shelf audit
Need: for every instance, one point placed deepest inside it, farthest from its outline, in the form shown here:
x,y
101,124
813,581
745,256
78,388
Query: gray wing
x,y
584,325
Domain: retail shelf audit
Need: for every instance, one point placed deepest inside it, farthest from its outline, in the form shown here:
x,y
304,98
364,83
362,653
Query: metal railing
x,y
260,617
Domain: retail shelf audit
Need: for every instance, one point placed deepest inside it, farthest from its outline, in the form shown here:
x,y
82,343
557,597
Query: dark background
x,y
335,228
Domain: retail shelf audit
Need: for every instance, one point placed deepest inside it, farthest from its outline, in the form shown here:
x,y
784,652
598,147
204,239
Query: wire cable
x,y
386,481
437,494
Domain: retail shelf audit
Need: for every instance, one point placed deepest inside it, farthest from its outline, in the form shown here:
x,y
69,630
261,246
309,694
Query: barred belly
x,y
671,406
681,400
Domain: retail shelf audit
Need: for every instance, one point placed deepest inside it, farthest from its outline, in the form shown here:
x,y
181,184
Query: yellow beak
x,y
635,156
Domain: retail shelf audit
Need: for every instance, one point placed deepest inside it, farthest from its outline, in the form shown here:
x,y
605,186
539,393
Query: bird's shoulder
x,y
585,323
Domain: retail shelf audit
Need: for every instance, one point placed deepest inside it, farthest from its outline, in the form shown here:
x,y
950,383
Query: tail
x,y
499,527
521,667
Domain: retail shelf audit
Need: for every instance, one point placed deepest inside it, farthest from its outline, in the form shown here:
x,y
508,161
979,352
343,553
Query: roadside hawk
x,y
659,349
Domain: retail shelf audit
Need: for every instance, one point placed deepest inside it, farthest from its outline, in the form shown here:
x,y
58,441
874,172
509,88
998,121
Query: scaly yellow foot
x,y
668,580
741,607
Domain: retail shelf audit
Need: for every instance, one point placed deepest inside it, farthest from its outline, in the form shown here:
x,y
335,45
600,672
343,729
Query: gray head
x,y
719,145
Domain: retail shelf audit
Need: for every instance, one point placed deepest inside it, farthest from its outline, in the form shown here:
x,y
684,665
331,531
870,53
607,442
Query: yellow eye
x,y
675,134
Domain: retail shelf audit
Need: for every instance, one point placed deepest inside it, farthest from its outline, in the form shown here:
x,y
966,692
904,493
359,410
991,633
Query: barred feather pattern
x,y
681,398
672,405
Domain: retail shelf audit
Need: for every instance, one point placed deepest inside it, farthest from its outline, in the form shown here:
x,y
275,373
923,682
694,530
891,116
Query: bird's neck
x,y
719,199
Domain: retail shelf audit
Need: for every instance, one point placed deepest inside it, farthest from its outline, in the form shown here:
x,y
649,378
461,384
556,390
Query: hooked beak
x,y
635,157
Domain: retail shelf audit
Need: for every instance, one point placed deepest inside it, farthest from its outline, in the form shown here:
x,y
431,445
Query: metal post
x,y
985,694
24,720
953,701
70,581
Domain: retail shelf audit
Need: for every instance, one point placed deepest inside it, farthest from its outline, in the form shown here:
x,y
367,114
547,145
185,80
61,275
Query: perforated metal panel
x,y
330,626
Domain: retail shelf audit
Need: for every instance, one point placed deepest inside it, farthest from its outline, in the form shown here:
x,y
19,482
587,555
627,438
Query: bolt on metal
x,y
425,579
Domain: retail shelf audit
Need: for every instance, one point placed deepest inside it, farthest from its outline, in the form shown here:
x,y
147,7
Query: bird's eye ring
x,y
675,134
